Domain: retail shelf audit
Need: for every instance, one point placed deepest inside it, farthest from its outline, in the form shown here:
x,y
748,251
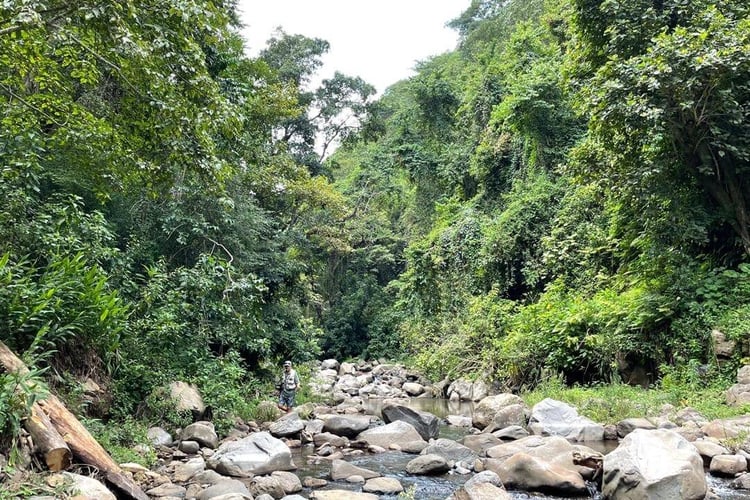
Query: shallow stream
x,y
393,463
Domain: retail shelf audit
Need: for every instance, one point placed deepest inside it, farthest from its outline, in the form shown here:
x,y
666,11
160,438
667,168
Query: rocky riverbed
x,y
502,449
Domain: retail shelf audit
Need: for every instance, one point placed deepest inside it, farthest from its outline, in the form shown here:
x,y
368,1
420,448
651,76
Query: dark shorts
x,y
286,398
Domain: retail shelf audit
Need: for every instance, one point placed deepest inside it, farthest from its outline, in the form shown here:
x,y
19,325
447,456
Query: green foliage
x,y
611,403
17,395
120,439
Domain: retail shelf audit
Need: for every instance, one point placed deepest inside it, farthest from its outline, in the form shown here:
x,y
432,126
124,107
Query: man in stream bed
x,y
287,387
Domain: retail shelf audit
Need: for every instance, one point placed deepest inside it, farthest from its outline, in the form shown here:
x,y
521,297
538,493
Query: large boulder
x,y
525,472
654,464
553,450
288,425
202,433
727,428
555,418
426,424
425,465
226,488
450,450
395,433
345,425
85,486
460,390
259,453
488,408
186,397
341,469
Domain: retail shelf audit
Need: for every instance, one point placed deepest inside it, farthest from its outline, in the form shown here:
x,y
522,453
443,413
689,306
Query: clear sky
x,y
378,40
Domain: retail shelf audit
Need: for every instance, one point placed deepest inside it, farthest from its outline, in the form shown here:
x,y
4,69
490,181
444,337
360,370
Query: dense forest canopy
x,y
565,193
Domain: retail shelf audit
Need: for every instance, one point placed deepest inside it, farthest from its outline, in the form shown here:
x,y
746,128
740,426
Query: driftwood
x,y
75,435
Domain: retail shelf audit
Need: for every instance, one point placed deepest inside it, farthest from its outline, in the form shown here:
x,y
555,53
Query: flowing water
x,y
393,463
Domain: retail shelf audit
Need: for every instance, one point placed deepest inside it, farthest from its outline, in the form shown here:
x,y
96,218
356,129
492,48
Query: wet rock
x,y
341,469
313,482
383,486
741,482
428,464
414,447
450,450
167,490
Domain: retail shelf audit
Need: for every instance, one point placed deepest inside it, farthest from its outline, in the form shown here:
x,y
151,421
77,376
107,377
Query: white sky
x,y
378,40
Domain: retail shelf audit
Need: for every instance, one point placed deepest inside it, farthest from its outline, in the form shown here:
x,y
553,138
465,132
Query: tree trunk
x,y
84,446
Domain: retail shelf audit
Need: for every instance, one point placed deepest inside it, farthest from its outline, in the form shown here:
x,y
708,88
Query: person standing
x,y
288,385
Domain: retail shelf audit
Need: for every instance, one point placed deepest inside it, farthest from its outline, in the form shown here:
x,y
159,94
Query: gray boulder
x,y
450,450
341,469
159,437
186,397
202,433
555,418
397,433
488,408
345,425
288,425
525,472
259,453
224,489
428,464
654,465
426,424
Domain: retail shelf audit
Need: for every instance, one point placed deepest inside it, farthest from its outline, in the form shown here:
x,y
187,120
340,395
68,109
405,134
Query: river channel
x,y
393,463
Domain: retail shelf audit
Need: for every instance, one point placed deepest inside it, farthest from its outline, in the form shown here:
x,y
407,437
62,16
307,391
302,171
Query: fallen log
x,y
75,435
47,440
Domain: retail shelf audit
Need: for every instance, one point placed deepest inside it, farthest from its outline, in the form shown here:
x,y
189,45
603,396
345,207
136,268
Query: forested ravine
x,y
557,204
